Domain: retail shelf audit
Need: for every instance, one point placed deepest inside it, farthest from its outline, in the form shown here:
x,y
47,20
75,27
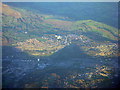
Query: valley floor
x,y
51,72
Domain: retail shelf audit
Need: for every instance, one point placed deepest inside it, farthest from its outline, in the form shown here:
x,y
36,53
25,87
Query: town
x,y
48,44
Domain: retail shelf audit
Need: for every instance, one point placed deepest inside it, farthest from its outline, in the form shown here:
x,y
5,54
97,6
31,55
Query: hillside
x,y
21,26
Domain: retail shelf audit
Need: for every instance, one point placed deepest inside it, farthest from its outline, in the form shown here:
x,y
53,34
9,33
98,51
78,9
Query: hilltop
x,y
8,11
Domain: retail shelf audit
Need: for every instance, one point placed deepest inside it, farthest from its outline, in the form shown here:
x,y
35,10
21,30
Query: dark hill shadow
x,y
69,52
10,52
